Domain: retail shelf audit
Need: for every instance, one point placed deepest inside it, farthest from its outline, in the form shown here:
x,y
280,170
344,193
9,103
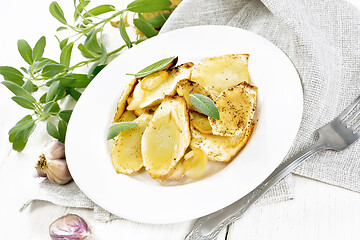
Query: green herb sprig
x,y
205,105
57,78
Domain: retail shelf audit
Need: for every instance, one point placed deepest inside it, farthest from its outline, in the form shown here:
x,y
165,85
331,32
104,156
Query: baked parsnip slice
x,y
166,138
237,108
220,73
126,151
218,148
186,87
156,90
120,108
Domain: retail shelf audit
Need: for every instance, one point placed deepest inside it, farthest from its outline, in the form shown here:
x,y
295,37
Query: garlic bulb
x,y
56,170
70,226
54,150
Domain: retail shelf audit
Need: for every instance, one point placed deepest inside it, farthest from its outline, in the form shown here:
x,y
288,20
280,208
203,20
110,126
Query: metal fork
x,y
336,135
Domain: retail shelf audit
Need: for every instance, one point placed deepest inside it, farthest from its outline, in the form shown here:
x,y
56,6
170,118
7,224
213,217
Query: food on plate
x,y
202,124
237,108
218,148
120,108
126,151
217,74
186,115
186,87
144,98
166,138
195,163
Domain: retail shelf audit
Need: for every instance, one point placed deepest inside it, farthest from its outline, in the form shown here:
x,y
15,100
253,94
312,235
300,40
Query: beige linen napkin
x,y
322,39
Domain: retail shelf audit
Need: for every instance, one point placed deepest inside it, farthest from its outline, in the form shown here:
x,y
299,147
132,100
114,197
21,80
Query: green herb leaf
x,y
85,52
52,131
24,123
65,115
51,107
52,70
205,105
62,126
66,54
57,12
159,20
74,93
144,6
63,43
61,28
18,91
12,74
159,65
97,70
39,65
79,9
81,80
23,102
21,138
39,48
25,51
54,88
124,34
145,27
99,10
29,86
97,63
117,128
91,43
43,98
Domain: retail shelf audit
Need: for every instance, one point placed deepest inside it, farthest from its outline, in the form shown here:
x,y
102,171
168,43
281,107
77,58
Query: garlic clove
x,y
69,227
56,170
54,150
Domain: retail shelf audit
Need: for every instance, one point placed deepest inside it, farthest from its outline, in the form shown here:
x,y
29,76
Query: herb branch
x,y
58,78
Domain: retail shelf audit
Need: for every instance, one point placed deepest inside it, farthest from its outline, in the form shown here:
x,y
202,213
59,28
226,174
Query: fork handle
x,y
209,226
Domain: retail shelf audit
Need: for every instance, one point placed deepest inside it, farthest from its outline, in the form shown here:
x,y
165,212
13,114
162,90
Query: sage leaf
x,y
25,51
97,70
51,107
79,9
52,70
61,28
30,87
81,80
66,55
100,61
99,10
124,34
144,6
91,43
24,70
39,65
52,131
205,105
18,91
85,52
43,98
117,128
24,123
62,126
53,89
159,65
23,102
12,74
21,138
65,115
145,27
57,12
39,48
63,43
74,94
159,20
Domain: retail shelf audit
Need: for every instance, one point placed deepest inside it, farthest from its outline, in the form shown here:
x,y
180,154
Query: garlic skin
x,y
56,170
54,150
69,227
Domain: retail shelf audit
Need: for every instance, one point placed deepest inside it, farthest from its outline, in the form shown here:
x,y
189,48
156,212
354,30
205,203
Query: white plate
x,y
142,199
